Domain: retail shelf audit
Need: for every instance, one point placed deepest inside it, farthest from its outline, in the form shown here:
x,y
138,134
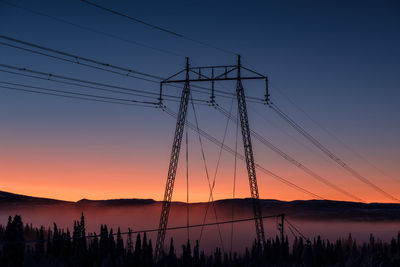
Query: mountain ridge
x,y
304,209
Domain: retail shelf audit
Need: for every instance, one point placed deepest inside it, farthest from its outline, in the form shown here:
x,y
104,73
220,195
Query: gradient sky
x,y
339,61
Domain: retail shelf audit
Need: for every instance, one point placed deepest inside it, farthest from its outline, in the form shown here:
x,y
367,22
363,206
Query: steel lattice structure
x,y
248,151
173,165
211,74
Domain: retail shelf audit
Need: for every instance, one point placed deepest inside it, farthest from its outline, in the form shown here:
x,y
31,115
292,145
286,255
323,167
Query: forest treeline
x,y
25,245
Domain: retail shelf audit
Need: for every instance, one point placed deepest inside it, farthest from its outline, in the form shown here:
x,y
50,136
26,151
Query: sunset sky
x,y
333,66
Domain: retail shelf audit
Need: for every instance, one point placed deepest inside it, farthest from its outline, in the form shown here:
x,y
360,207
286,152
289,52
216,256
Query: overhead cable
x,y
330,154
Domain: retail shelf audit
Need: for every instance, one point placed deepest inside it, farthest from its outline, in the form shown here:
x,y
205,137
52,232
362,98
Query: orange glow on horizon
x,y
112,170
92,183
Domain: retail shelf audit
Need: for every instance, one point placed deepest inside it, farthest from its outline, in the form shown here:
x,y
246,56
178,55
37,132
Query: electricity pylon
x,y
208,74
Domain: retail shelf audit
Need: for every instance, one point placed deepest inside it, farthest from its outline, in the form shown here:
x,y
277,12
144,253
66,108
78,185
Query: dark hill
x,y
115,202
15,199
300,209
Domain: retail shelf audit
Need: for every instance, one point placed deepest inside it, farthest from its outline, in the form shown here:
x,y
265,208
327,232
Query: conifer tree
x,y
171,255
137,254
120,251
39,245
14,247
82,230
129,242
196,254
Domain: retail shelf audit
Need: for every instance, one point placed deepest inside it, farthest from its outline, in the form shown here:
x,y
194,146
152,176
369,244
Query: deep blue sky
x,y
339,61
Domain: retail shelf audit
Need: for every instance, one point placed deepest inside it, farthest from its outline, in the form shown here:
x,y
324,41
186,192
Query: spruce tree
x,y
14,247
82,231
138,251
129,242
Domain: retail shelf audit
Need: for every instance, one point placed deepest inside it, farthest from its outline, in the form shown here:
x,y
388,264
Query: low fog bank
x,y
141,217
329,219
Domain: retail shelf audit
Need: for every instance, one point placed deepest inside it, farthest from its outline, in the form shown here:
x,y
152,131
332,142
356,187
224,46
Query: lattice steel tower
x,y
208,74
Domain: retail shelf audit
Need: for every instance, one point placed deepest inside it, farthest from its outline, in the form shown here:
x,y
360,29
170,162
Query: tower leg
x,y
248,149
173,164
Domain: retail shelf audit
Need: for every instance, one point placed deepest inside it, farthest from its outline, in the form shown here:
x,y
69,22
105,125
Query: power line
x,y
289,158
51,75
94,30
141,231
81,94
330,154
127,92
76,59
359,155
81,85
132,18
157,27
291,136
127,72
73,97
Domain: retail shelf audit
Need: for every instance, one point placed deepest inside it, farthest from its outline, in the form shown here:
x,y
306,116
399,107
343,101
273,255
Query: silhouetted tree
x,y
14,247
59,249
